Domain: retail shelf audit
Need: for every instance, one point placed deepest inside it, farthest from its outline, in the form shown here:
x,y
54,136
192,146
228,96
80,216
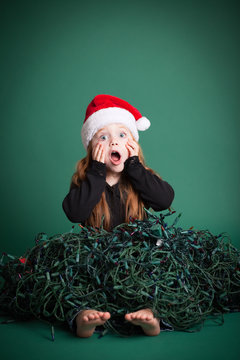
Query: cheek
x,y
124,149
97,141
94,142
104,145
125,141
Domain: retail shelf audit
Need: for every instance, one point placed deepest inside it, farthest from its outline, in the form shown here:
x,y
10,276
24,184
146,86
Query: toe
x,y
128,316
105,316
94,316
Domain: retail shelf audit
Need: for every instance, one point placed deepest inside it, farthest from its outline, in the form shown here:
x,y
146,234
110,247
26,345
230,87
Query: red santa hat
x,y
106,109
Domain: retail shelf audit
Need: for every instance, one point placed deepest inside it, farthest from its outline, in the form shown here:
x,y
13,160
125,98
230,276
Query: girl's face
x,y
114,138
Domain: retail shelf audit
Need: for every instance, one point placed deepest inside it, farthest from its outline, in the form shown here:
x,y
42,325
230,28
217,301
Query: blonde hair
x,y
133,203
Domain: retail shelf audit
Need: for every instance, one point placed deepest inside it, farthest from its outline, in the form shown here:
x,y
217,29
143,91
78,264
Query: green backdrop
x,y
178,63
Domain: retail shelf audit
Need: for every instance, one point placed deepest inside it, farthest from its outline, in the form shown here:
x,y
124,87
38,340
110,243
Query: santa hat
x,y
106,109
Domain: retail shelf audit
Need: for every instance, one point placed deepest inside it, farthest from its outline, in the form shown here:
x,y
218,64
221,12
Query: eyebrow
x,y
105,131
123,129
101,132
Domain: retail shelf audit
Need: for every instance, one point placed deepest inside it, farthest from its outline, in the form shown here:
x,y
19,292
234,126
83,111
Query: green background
x,y
178,63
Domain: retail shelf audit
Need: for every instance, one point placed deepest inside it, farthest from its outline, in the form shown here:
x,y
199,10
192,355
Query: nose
x,y
113,142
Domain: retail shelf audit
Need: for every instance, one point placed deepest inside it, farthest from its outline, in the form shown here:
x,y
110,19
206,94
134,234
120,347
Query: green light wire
x,y
184,276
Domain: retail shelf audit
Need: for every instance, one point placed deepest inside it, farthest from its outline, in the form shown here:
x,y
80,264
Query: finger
x,y
102,155
132,150
132,142
98,153
129,146
95,151
134,146
129,149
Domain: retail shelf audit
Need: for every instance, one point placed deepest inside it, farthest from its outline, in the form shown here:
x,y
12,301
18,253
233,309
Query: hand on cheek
x,y
98,153
132,147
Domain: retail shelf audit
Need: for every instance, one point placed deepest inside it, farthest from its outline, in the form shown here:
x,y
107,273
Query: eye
x,y
103,137
122,134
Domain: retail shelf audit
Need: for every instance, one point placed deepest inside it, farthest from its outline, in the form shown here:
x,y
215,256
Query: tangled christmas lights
x,y
182,275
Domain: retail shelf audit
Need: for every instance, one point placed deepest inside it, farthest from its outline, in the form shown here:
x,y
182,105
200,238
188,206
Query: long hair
x,y
134,206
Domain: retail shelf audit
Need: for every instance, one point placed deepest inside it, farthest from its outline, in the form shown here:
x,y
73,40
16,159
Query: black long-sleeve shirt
x,y
81,200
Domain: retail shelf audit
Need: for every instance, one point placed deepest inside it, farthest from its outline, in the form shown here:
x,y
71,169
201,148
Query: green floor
x,y
32,340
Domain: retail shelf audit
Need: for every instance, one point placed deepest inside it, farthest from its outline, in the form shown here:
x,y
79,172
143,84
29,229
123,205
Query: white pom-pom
x,y
143,123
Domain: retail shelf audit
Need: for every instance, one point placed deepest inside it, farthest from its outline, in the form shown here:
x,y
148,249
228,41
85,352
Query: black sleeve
x,y
81,200
155,193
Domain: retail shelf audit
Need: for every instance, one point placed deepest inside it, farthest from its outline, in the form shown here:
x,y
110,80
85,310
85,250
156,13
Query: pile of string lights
x,y
182,275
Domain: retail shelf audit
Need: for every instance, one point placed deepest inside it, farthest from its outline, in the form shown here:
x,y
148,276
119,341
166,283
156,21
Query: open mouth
x,y
115,157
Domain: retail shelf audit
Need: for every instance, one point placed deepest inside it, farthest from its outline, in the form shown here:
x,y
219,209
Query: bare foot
x,y
87,320
146,320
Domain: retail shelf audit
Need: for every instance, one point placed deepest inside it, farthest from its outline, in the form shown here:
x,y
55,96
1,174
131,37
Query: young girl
x,y
113,183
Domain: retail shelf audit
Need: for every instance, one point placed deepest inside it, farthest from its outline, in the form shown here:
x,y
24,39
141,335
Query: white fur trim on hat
x,y
107,116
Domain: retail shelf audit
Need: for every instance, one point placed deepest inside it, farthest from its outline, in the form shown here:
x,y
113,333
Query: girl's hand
x,y
98,153
132,147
